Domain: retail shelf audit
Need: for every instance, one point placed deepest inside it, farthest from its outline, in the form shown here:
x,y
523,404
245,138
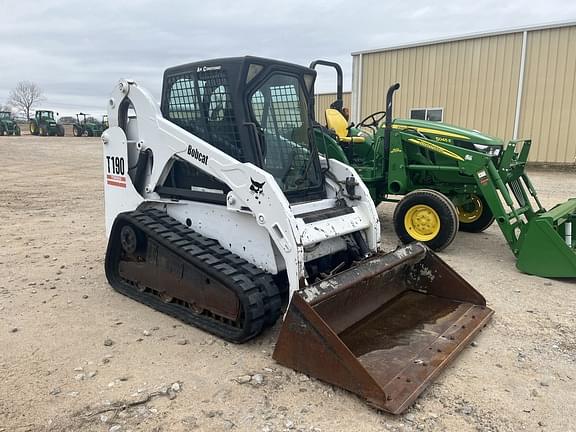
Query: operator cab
x,y
253,109
49,115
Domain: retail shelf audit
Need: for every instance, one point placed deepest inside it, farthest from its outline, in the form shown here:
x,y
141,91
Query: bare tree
x,y
25,96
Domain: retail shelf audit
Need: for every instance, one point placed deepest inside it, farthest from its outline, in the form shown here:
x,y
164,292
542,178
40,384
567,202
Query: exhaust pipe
x,y
388,123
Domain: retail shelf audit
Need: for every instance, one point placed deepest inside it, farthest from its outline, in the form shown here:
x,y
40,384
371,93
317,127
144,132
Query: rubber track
x,y
258,295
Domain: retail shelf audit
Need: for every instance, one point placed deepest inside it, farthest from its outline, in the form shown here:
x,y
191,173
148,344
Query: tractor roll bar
x,y
339,103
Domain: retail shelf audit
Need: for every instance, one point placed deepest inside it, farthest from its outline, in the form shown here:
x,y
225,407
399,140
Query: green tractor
x,y
86,126
44,124
446,178
8,125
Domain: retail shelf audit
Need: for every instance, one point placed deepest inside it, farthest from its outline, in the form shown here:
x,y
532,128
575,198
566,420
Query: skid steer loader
x,y
220,211
451,178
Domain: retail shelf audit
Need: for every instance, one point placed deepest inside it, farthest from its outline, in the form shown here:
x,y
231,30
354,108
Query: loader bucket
x,y
547,247
384,328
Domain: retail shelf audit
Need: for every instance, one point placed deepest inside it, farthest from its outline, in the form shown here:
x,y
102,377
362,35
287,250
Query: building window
x,y
430,114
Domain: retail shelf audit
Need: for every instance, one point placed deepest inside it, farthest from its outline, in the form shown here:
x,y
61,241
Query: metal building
x,y
516,83
323,101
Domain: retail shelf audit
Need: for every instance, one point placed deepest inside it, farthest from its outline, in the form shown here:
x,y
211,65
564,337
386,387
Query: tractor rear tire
x,y
476,216
427,216
59,130
34,128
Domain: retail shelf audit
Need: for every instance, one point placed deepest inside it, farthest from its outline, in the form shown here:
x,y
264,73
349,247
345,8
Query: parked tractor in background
x,y
86,126
452,178
8,125
44,124
105,124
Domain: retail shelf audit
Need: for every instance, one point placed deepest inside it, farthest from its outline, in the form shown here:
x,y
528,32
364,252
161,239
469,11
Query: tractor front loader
x,y
220,212
453,178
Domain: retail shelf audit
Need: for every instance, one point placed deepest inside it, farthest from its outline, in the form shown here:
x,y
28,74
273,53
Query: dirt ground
x,y
77,356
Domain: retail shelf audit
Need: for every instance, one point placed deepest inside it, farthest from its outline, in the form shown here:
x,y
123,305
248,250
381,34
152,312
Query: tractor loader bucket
x,y
384,328
547,245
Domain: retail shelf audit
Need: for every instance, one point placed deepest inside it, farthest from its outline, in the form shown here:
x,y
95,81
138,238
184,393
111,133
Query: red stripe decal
x,y
116,178
113,183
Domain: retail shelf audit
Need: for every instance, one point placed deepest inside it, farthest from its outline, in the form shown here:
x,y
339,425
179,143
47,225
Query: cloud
x,y
77,51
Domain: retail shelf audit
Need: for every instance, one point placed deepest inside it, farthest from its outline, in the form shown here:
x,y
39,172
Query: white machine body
x,y
257,223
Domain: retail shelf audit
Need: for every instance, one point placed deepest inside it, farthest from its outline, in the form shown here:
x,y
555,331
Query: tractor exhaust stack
x,y
383,329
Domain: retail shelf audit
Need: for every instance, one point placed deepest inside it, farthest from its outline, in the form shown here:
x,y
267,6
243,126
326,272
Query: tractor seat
x,y
336,121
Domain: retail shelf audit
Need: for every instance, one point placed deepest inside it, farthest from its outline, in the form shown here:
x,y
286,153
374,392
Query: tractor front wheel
x,y
426,216
76,131
33,128
475,215
59,130
43,131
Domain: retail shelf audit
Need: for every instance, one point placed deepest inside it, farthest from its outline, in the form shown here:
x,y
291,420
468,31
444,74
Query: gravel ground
x,y
76,356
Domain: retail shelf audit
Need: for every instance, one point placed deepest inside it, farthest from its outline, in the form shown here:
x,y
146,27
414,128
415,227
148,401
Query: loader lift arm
x,y
541,241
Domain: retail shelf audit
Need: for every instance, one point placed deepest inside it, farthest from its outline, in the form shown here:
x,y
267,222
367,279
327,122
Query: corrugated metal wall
x,y
322,103
476,80
548,107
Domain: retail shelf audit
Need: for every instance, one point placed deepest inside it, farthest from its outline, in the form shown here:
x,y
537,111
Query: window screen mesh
x,y
202,104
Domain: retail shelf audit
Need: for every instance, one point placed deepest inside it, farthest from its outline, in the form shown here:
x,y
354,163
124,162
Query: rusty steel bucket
x,y
384,328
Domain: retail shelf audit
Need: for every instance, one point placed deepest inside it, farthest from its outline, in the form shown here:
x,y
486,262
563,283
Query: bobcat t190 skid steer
x,y
219,210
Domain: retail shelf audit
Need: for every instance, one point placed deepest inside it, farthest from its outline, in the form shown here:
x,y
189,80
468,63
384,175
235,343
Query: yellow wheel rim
x,y
471,211
422,222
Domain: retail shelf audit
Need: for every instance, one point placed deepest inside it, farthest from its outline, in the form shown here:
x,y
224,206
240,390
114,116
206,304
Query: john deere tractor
x,y
44,124
86,126
445,178
8,125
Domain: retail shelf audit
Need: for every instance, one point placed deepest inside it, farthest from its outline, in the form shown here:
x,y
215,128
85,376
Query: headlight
x,y
489,150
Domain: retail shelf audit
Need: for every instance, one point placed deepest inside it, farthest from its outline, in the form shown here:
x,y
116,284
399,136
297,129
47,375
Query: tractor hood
x,y
447,133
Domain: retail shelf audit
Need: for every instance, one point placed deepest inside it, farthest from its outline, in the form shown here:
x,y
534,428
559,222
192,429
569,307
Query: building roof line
x,y
467,36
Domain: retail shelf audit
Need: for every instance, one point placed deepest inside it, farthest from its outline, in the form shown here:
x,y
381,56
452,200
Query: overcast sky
x,y
77,50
